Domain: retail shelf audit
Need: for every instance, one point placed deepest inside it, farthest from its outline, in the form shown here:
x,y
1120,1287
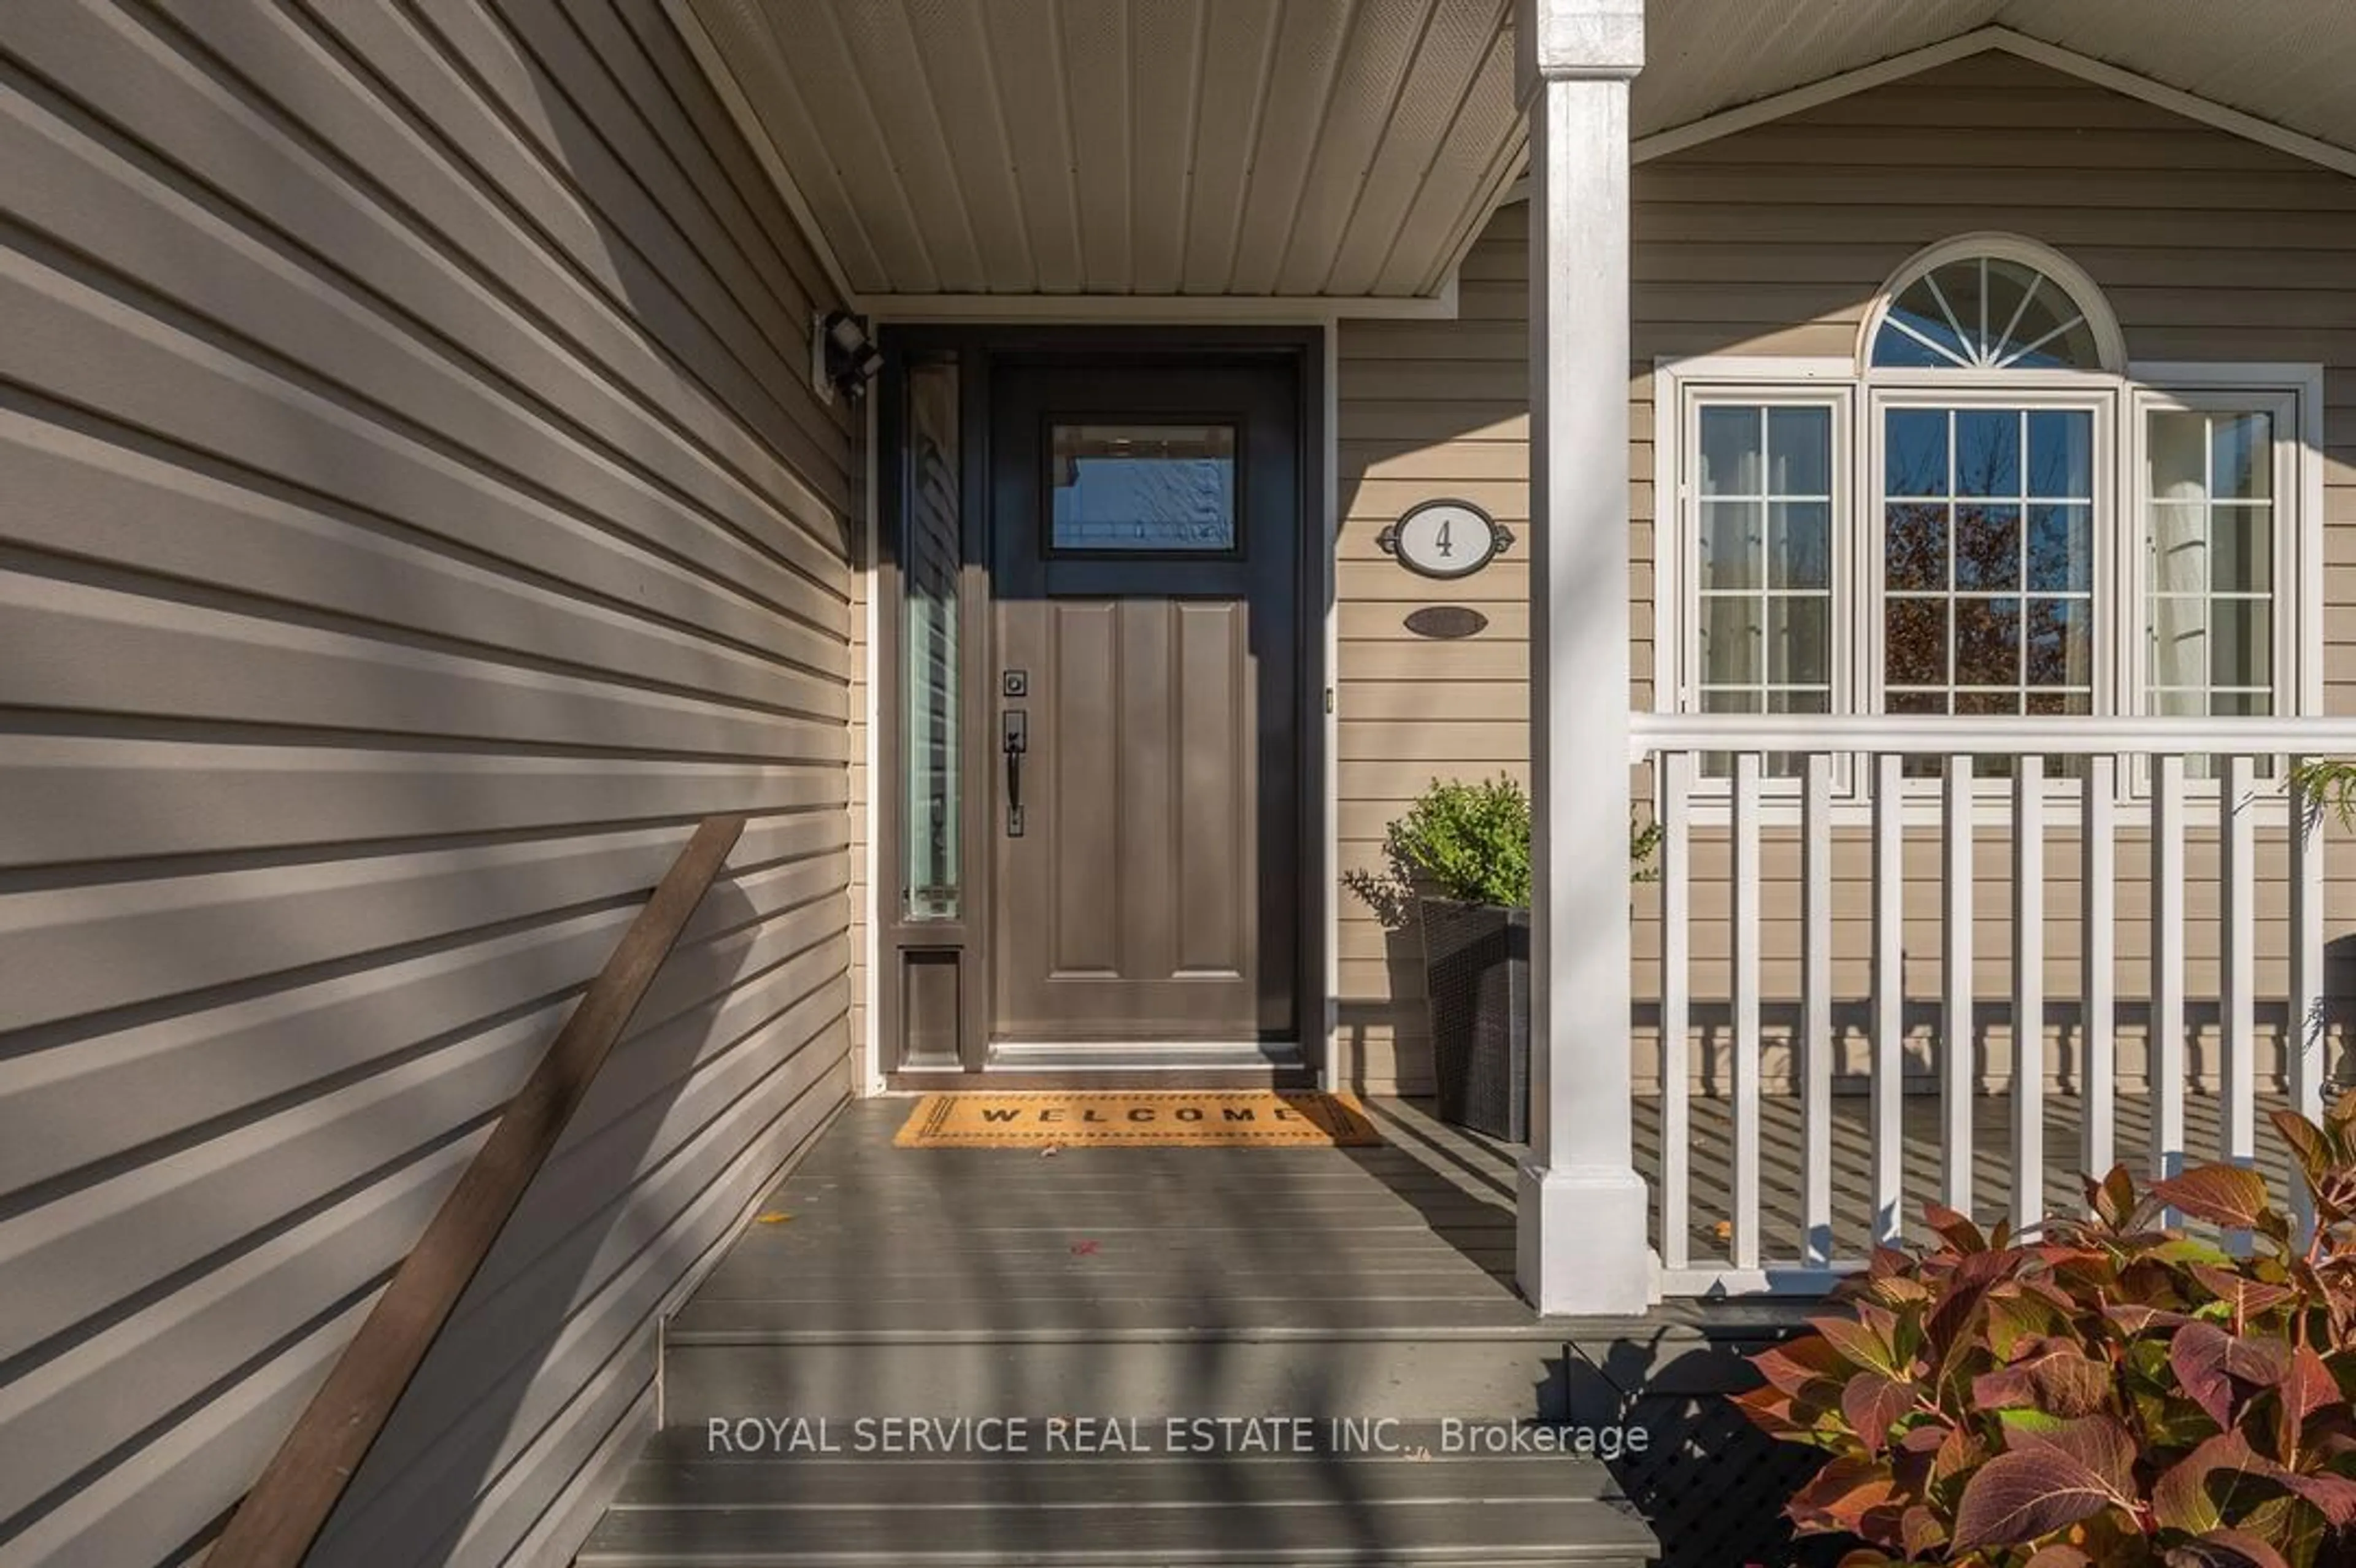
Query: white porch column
x,y
1581,1206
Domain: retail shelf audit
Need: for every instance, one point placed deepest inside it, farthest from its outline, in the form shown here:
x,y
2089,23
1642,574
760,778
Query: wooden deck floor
x,y
1370,1282
1416,1234
1319,1290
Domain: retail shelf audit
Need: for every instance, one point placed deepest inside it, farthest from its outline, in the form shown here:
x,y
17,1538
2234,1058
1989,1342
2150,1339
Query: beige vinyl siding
x,y
1425,409
416,521
1775,242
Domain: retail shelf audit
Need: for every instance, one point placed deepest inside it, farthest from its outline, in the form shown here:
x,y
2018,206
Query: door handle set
x,y
1014,739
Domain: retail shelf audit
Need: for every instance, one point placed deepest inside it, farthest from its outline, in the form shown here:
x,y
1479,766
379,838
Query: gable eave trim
x,y
1897,68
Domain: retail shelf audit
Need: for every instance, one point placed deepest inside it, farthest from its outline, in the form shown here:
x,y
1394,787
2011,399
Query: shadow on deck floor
x,y
1415,1233
1371,1283
1711,1152
1367,1283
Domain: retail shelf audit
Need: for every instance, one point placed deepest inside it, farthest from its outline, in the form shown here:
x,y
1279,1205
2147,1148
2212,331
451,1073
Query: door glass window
x,y
929,559
1144,487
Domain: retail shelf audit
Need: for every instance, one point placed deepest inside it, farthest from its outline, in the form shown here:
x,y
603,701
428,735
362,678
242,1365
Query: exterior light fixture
x,y
843,359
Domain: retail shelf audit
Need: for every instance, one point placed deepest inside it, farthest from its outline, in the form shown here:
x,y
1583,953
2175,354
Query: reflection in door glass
x,y
1144,486
929,556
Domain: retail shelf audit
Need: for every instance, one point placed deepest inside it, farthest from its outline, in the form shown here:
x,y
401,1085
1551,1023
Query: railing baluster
x,y
2028,992
2305,1036
2098,1053
1888,995
2237,1117
1676,1108
2237,951
1817,1011
1805,1163
2166,1046
1746,1011
1956,1044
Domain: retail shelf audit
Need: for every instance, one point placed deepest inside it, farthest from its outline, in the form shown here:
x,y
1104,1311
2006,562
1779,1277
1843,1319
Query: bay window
x,y
1988,512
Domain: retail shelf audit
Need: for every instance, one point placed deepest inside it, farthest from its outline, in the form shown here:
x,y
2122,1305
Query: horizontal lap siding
x,y
417,520
1775,242
1426,410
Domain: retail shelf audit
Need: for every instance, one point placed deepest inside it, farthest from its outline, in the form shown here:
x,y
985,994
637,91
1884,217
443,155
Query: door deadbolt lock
x,y
1014,683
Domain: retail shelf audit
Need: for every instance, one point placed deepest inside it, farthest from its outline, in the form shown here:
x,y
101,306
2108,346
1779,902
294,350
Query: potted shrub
x,y
2108,1392
1460,858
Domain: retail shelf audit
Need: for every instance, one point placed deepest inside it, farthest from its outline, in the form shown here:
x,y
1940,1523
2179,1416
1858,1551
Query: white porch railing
x,y
2152,752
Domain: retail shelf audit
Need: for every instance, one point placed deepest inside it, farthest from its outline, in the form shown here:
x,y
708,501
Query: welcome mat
x,y
1174,1118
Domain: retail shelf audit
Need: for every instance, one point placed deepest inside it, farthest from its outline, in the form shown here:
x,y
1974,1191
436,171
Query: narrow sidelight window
x,y
930,554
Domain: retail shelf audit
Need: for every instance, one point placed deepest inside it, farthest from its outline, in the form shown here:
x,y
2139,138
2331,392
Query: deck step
x,y
1366,1368
685,1508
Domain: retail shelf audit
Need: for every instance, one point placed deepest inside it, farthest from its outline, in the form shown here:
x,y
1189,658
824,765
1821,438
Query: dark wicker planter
x,y
1476,977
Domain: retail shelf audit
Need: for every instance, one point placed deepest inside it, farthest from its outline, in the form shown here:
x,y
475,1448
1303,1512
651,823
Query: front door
x,y
1146,529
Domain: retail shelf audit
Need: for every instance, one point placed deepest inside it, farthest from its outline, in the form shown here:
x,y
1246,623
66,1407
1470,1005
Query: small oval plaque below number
x,y
1446,621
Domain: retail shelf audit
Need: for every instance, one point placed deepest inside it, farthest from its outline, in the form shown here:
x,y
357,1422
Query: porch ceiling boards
x,y
2287,61
1329,149
944,152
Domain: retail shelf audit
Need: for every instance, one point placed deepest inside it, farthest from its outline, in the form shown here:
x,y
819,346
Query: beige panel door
x,y
1145,534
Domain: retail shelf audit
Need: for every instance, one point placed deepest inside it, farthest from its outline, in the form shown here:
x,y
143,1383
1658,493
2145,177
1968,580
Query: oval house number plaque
x,y
1445,539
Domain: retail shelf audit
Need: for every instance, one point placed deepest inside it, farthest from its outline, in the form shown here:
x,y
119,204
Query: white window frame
x,y
2293,394
1742,384
1858,395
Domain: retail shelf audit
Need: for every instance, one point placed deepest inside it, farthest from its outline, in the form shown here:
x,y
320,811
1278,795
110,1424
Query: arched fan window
x,y
1995,307
1987,510
1988,498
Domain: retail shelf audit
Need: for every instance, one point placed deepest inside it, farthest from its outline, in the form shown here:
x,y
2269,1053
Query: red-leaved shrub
x,y
2107,1391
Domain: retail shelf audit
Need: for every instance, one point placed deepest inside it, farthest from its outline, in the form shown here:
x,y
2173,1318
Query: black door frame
x,y
949,962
